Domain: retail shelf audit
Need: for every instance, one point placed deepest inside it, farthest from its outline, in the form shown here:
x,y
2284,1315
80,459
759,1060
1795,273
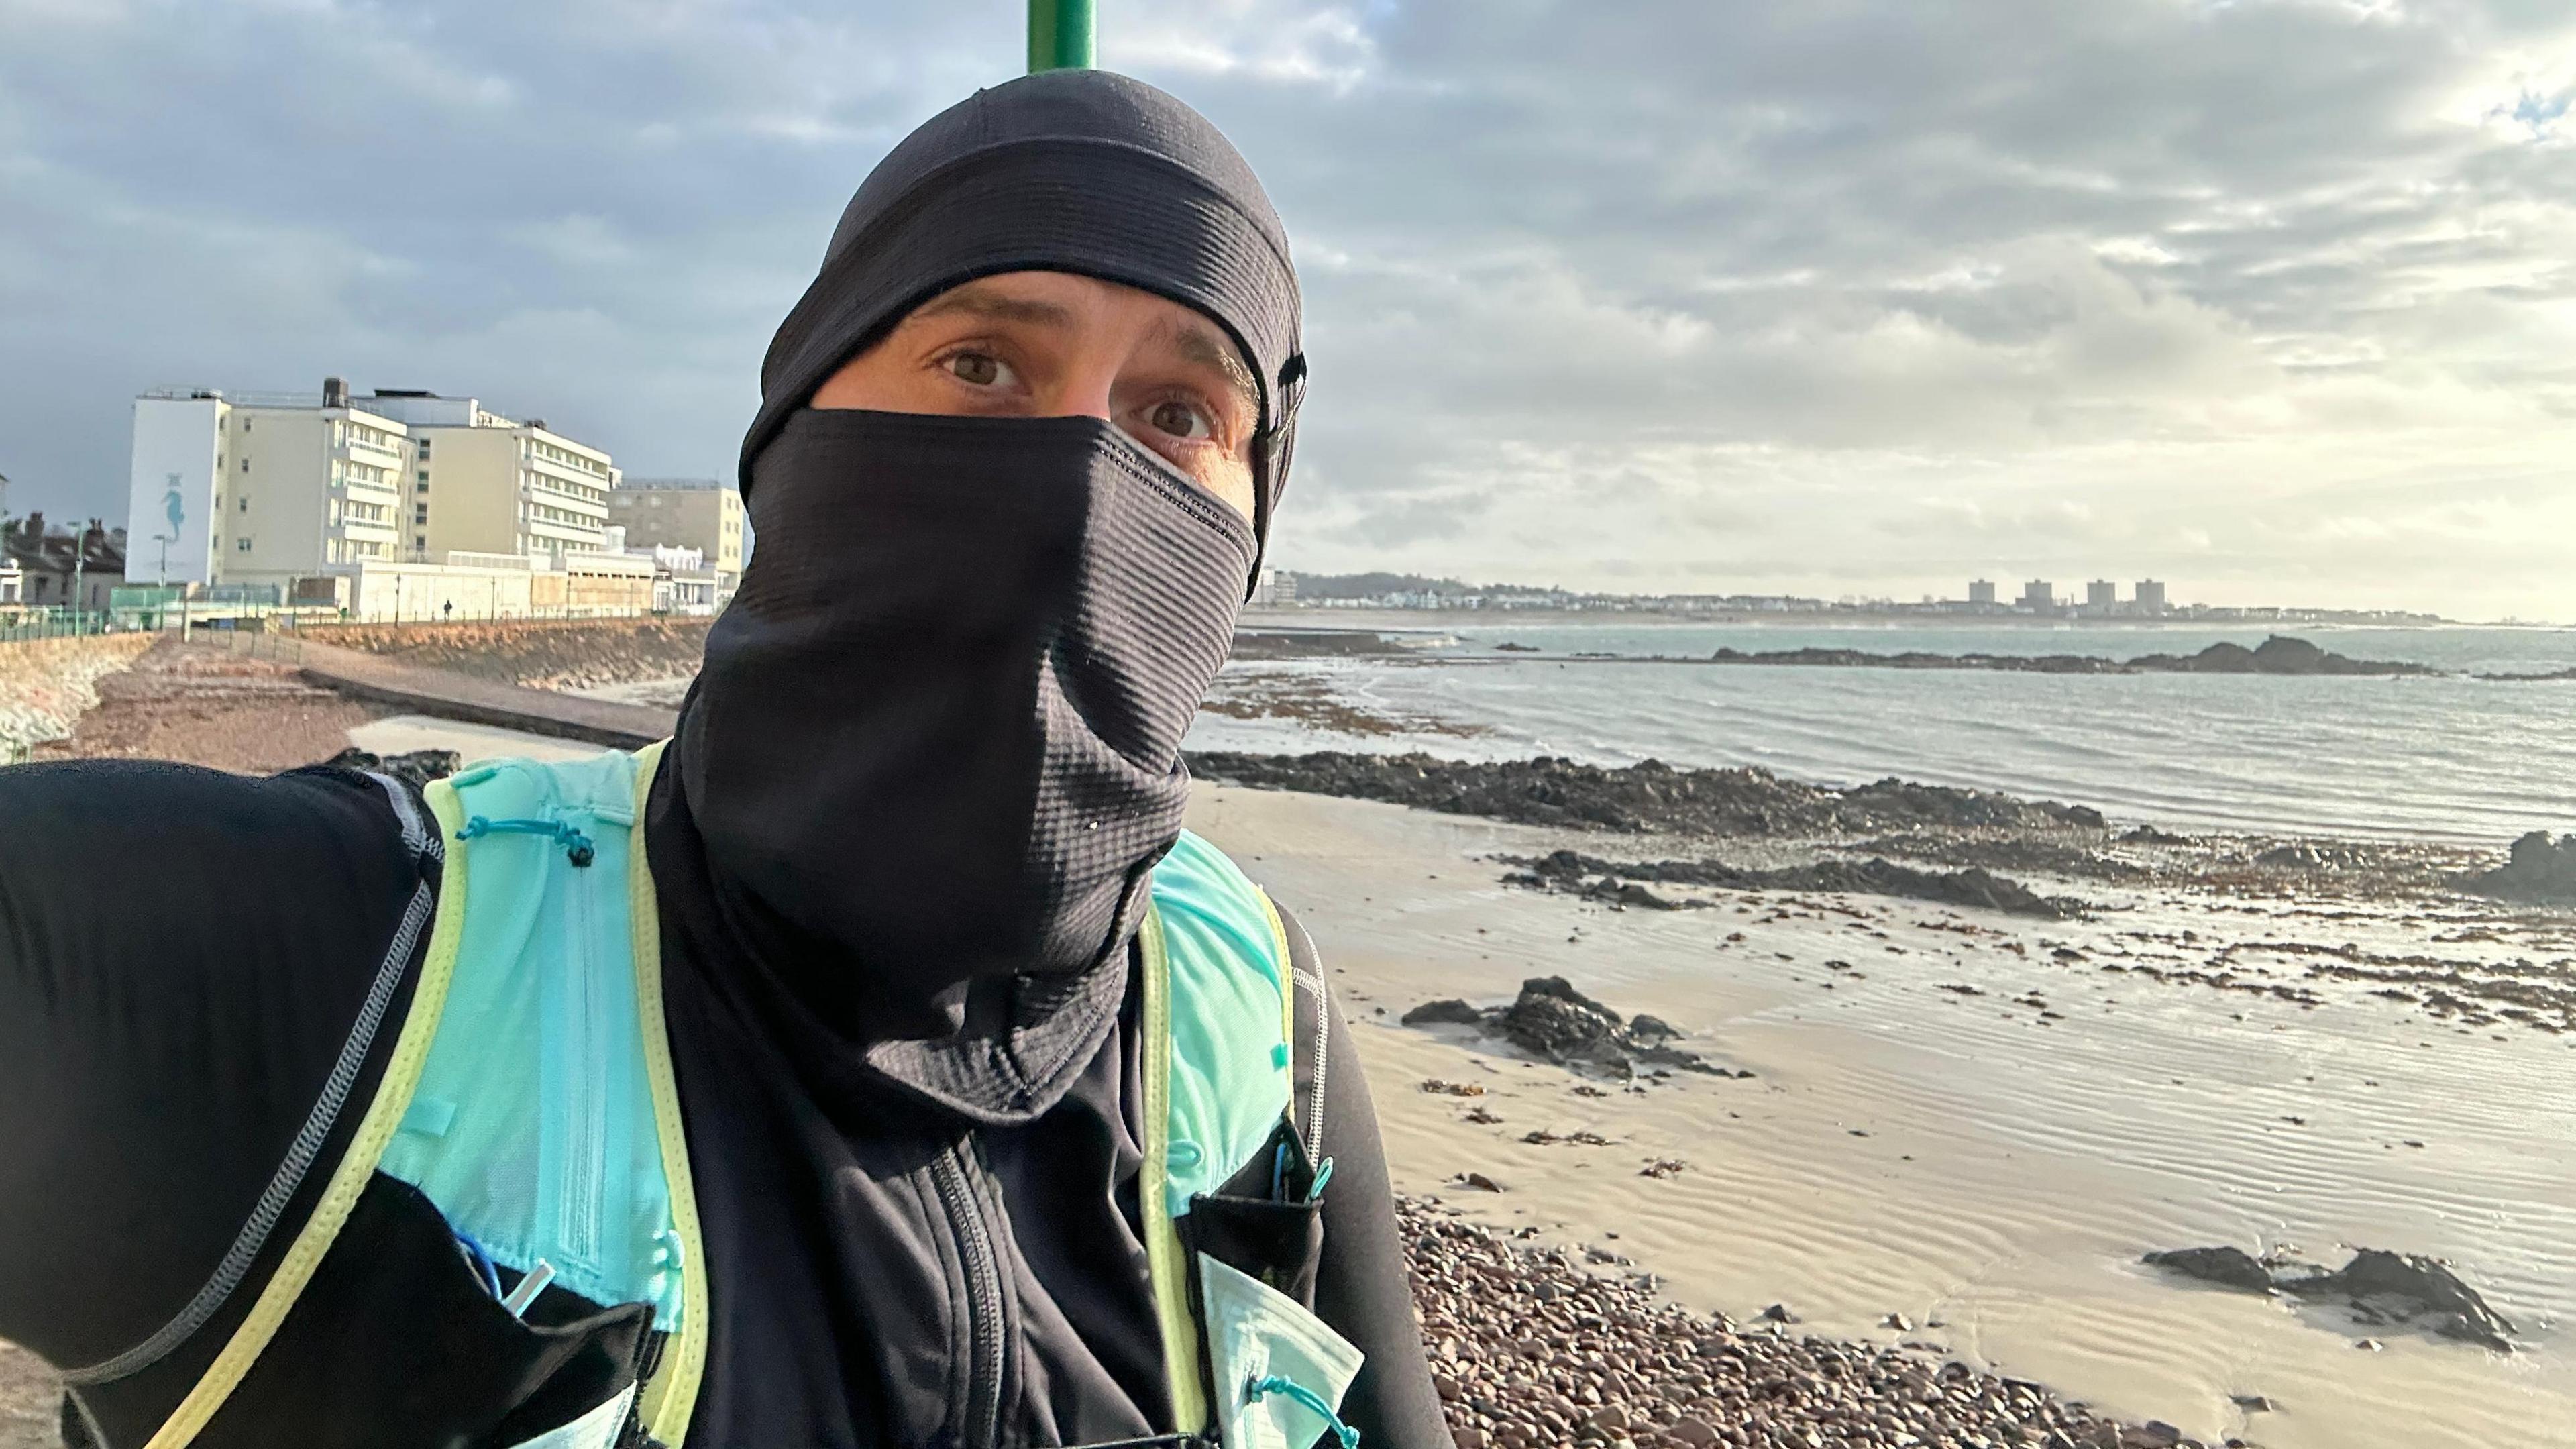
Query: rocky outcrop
x,y
1618,882
1647,796
2279,654
1553,1021
2539,870
2376,1287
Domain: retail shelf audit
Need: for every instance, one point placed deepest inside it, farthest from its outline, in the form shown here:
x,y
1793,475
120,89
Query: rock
x,y
2251,1403
2538,869
1651,1028
415,769
1897,1321
2226,1267
1663,1167
1692,1432
1548,1027
1777,1313
1446,1011
2404,1287
2153,1434
1478,1181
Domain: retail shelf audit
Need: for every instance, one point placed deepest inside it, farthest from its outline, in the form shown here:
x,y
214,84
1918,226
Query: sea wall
x,y
536,653
46,684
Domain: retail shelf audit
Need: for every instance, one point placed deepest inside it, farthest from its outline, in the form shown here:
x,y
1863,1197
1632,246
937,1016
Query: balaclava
x,y
935,748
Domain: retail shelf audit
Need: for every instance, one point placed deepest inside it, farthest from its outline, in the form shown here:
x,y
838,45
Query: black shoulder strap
x,y
1314,1005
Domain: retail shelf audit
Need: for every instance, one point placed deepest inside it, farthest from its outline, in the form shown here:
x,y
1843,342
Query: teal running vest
x,y
530,1096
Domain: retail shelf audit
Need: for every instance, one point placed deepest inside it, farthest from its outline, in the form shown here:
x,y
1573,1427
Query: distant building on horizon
x,y
2101,594
1981,591
2151,596
2039,595
700,513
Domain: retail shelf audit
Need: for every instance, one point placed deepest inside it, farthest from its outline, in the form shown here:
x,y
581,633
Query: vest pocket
x,y
1266,1221
397,1343
1281,1244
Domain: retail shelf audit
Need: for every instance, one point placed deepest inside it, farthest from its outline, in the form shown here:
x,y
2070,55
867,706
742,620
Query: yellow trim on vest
x,y
1287,988
667,1400
357,1165
1167,1267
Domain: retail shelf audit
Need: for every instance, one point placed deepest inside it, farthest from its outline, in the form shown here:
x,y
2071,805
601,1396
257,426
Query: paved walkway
x,y
476,701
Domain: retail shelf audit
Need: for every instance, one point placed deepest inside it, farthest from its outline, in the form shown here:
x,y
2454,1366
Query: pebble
x,y
1529,1350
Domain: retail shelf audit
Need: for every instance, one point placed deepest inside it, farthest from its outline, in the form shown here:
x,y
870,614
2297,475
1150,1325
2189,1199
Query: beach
x,y
1942,1116
1990,1175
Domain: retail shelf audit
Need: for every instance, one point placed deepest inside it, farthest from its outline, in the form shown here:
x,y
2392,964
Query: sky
x,y
2272,299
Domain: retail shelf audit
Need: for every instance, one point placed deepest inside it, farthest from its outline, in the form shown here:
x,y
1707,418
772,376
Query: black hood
x,y
1068,171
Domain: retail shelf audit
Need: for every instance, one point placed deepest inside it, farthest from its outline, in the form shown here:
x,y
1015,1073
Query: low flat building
x,y
699,513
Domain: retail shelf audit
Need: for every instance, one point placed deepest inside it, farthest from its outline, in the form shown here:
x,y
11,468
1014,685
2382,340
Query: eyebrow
x,y
1201,346
984,302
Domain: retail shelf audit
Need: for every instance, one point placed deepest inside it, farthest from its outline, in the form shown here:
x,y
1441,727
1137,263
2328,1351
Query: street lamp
x,y
1061,35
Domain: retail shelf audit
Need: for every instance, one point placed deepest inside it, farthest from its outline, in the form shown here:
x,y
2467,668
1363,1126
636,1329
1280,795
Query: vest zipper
x,y
577,1216
982,1425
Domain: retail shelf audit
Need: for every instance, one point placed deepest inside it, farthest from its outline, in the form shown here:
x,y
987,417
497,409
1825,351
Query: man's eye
x,y
978,369
1179,420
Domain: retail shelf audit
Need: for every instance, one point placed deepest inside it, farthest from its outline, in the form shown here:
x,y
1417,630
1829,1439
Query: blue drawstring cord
x,y
576,845
482,1264
1274,1384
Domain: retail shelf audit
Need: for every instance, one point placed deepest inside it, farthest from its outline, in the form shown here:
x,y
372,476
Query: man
x,y
930,1173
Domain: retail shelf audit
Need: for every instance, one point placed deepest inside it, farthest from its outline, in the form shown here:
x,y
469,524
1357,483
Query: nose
x,y
1084,390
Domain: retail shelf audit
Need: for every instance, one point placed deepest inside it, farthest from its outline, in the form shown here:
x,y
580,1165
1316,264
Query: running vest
x,y
530,1097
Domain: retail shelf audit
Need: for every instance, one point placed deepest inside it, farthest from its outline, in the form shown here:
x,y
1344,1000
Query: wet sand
x,y
1992,1162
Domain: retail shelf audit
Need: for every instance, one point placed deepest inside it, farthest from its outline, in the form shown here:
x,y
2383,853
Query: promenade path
x,y
444,695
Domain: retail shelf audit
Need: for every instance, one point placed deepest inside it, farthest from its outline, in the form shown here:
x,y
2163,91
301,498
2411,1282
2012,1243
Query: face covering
x,y
937,736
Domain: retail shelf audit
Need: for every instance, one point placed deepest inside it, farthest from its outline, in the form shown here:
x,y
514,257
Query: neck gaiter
x,y
937,736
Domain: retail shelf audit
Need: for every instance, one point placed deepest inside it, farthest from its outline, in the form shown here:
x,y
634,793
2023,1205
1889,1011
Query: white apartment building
x,y
696,513
251,488
478,482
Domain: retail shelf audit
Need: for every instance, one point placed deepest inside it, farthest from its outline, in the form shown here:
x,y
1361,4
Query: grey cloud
x,y
1730,296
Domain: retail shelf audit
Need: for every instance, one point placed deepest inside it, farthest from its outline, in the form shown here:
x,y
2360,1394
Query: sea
x,y
2450,757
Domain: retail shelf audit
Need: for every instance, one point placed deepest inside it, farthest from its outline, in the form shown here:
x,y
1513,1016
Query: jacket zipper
x,y
982,1427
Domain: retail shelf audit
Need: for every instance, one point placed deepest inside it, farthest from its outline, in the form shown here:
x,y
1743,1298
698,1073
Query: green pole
x,y
1060,35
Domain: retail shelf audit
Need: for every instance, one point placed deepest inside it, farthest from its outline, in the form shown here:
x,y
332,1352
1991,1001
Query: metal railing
x,y
41,623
